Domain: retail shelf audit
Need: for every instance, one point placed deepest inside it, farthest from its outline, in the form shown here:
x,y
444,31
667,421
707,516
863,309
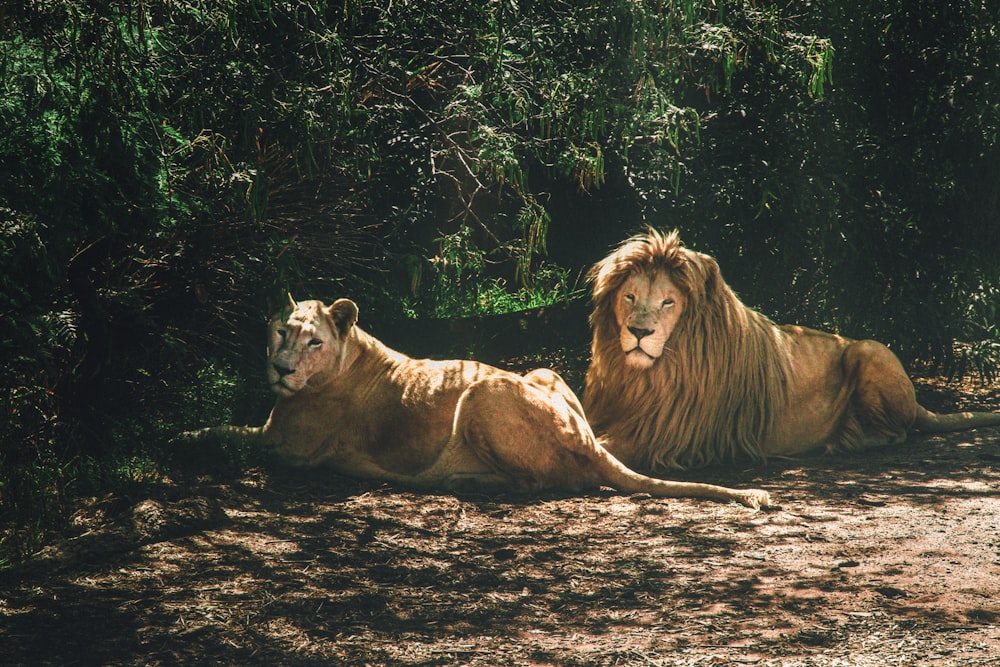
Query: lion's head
x,y
647,308
643,289
673,349
308,344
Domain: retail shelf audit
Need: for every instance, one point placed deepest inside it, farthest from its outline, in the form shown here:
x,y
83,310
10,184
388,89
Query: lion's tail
x,y
616,474
931,422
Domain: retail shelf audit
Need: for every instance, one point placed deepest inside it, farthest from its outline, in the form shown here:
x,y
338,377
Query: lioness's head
x,y
643,290
307,344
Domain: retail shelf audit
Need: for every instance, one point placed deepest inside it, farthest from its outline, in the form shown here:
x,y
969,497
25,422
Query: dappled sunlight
x,y
970,486
306,567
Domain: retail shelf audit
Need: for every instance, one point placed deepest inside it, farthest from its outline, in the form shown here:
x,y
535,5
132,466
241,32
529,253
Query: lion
x,y
347,401
684,375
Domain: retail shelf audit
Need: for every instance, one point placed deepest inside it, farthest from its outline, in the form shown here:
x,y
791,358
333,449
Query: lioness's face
x,y
647,306
306,344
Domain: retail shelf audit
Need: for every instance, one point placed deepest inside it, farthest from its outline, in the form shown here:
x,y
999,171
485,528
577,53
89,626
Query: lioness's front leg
x,y
250,434
217,445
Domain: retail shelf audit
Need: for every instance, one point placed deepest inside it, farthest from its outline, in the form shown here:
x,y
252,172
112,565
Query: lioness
x,y
347,401
683,374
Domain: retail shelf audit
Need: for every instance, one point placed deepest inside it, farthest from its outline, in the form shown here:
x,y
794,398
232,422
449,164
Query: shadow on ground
x,y
890,553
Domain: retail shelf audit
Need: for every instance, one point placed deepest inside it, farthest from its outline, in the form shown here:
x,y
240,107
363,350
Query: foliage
x,y
872,212
460,284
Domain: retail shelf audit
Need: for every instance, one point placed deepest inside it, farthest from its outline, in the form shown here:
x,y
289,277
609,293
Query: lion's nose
x,y
640,333
283,369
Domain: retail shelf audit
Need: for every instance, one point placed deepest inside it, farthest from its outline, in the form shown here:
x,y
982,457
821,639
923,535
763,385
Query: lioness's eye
x,y
282,333
315,342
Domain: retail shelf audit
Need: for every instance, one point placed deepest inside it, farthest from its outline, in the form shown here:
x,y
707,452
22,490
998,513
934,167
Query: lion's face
x,y
648,306
307,344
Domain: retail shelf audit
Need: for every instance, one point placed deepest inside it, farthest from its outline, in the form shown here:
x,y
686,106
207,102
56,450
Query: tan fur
x,y
347,401
683,374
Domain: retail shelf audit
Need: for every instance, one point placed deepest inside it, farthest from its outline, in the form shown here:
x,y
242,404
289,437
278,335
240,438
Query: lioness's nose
x,y
283,369
640,333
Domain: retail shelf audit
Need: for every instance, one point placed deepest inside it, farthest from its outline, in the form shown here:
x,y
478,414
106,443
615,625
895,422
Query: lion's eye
x,y
667,303
281,333
315,342
630,298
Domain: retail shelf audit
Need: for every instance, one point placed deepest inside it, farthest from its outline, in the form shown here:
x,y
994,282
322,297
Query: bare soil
x,y
890,557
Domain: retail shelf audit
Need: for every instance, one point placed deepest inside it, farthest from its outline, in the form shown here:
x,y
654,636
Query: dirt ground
x,y
889,558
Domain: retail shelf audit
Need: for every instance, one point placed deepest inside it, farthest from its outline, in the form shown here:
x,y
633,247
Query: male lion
x,y
347,401
683,374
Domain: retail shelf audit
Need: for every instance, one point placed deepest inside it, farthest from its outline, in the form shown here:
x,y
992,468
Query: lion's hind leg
x,y
884,404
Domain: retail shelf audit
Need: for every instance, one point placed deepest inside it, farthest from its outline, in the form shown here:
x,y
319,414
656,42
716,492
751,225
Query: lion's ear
x,y
712,275
344,314
602,276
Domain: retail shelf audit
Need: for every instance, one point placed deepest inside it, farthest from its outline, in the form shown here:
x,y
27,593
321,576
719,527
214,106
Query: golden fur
x,y
683,374
347,401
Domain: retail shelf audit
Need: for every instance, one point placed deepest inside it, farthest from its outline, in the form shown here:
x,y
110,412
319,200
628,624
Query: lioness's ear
x,y
344,314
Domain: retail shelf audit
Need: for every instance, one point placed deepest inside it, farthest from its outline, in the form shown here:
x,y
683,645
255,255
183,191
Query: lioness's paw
x,y
756,498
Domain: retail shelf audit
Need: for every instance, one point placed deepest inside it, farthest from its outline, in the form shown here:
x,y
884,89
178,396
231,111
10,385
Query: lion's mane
x,y
710,397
